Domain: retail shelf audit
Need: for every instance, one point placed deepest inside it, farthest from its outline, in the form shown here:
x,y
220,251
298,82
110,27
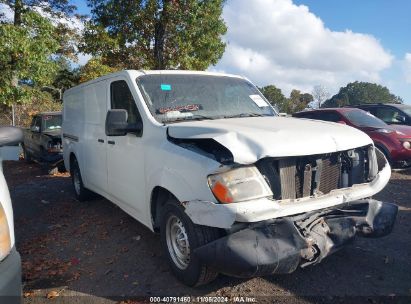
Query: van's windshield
x,y
174,98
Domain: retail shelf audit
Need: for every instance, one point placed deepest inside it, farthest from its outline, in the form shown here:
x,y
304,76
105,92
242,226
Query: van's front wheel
x,y
179,237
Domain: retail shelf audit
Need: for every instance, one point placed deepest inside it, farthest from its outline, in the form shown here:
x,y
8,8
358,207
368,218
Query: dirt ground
x,y
95,250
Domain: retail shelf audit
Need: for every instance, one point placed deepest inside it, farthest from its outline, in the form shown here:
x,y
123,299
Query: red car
x,y
393,140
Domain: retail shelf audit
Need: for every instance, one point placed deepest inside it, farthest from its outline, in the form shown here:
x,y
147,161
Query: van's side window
x,y
121,98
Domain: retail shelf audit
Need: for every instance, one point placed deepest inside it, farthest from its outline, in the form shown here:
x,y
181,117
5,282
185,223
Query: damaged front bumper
x,y
281,245
225,215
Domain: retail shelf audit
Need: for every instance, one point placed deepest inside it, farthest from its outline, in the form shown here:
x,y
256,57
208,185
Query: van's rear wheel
x,y
82,193
179,237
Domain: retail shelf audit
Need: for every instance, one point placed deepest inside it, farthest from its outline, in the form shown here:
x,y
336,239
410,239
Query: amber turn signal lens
x,y
222,193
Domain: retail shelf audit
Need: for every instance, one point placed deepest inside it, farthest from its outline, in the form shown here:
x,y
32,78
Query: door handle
x,y
100,140
111,142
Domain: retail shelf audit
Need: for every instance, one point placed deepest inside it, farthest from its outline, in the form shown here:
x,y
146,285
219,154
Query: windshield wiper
x,y
245,115
188,118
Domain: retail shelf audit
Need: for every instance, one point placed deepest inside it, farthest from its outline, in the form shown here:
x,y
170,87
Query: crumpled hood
x,y
252,138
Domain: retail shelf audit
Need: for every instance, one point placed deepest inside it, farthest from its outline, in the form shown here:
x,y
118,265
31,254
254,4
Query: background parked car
x,y
10,263
393,140
390,113
42,141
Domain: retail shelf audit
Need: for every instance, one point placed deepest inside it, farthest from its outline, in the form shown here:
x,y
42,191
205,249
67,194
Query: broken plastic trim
x,y
207,147
281,245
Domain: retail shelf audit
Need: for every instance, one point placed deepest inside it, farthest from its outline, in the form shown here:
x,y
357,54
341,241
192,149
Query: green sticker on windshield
x,y
166,87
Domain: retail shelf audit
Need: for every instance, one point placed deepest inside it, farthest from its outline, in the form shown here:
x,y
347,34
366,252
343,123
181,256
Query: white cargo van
x,y
232,187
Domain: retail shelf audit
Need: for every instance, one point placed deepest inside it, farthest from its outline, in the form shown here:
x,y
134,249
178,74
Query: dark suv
x,y
390,113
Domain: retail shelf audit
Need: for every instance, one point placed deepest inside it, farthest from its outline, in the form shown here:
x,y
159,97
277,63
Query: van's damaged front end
x,y
283,212
281,245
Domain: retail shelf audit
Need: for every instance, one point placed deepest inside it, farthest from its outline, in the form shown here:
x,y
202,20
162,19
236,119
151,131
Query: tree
x,y
275,97
362,92
31,42
320,94
298,101
93,69
156,34
25,57
66,77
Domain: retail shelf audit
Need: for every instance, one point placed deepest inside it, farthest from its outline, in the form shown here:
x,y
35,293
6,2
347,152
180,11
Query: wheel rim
x,y
177,242
76,181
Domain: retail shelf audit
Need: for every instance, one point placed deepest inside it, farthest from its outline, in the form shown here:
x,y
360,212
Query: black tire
x,y
61,168
386,153
27,156
195,273
82,193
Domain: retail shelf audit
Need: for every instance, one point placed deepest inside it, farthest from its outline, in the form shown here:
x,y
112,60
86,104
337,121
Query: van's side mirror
x,y
35,129
117,125
10,136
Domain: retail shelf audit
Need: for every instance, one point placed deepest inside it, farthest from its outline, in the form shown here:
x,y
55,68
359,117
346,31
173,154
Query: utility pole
x,y
13,115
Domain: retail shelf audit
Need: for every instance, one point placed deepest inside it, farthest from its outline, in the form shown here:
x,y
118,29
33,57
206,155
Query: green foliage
x,y
361,92
34,46
25,57
56,8
23,113
156,34
94,69
65,78
297,101
275,97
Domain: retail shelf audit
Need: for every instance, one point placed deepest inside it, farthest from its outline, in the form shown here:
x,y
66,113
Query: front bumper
x,y
401,157
10,278
281,245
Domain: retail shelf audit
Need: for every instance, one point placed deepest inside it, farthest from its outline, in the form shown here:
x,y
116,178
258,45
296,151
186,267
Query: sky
x,y
298,44
302,43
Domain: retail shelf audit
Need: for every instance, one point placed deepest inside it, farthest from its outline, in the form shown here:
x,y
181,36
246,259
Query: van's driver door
x,y
125,154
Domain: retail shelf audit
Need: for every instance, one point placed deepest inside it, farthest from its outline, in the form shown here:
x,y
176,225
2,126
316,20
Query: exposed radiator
x,y
330,175
296,177
287,176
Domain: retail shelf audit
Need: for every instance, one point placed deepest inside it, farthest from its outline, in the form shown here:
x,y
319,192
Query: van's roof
x,y
138,73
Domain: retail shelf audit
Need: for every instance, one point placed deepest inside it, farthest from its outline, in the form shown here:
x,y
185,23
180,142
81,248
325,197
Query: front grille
x,y
297,177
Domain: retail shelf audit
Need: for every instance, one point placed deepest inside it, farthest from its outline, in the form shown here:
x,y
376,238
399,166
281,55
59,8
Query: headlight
x,y
5,242
237,185
406,144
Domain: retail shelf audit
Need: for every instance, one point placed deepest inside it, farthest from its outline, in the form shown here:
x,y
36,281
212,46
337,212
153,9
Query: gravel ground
x,y
93,252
